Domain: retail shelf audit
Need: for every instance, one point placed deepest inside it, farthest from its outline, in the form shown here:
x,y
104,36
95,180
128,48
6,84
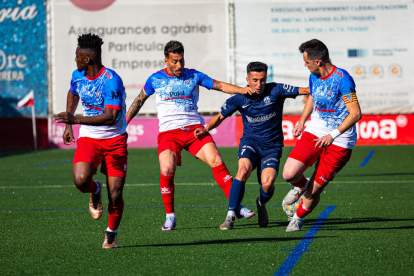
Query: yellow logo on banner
x,y
376,70
395,70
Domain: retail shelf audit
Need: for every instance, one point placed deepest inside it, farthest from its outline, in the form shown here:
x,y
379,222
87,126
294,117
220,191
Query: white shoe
x,y
295,224
169,224
295,193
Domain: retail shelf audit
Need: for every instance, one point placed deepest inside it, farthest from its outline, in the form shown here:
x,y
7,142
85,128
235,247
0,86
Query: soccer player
x,y
102,136
262,141
177,93
329,137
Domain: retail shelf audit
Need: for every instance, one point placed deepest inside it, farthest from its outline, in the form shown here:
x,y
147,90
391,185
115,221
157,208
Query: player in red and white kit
x,y
329,137
177,93
102,136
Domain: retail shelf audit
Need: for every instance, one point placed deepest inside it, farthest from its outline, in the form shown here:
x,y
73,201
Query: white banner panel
x,y
372,40
135,33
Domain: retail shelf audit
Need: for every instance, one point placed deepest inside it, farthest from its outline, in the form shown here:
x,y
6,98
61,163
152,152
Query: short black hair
x,y
175,47
256,66
316,49
90,42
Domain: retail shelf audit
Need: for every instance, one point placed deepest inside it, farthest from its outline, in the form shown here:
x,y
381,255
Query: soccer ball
x,y
290,210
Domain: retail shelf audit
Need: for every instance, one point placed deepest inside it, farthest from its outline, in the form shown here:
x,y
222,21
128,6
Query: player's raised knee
x,y
167,169
81,180
289,175
242,174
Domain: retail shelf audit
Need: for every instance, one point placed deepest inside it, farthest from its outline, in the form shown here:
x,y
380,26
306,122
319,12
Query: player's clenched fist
x,y
68,137
200,132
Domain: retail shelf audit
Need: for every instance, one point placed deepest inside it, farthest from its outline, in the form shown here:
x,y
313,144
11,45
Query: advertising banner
x,y
134,34
142,133
372,40
23,57
371,129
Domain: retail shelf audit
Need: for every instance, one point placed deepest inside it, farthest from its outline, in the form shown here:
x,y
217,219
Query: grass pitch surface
x,y
46,227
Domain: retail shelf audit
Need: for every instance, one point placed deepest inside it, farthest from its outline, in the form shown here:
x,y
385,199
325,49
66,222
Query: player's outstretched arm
x,y
304,90
136,105
231,89
307,111
72,101
214,122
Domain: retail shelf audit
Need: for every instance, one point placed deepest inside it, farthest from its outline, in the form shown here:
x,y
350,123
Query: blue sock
x,y
264,198
236,195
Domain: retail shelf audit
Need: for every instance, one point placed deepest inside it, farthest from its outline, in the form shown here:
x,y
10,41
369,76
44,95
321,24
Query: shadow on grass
x,y
330,223
225,241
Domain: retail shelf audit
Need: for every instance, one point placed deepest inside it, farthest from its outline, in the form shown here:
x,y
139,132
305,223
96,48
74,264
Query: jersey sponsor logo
x,y
244,106
267,100
115,95
177,94
288,87
165,190
260,119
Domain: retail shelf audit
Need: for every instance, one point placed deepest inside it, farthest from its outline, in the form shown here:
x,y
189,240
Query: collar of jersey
x,y
97,75
330,74
168,74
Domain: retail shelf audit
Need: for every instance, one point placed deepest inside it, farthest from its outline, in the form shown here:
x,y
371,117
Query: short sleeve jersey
x,y
105,90
262,114
329,109
177,97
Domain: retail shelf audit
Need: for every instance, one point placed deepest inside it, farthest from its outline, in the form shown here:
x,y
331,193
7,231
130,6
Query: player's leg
x,y
331,161
168,165
210,155
170,145
303,155
267,180
115,187
114,166
237,192
85,162
267,171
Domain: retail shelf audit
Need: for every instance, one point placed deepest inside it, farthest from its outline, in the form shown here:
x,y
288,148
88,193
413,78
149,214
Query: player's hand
x,y
200,132
297,130
65,117
246,90
68,135
324,141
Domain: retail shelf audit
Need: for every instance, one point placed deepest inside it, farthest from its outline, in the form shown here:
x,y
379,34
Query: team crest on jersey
x,y
97,94
187,81
330,91
267,100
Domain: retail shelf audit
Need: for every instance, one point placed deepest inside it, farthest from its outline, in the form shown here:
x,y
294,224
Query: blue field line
x,y
366,160
302,247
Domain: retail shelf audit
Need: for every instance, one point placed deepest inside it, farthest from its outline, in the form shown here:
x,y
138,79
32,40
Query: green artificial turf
x,y
46,227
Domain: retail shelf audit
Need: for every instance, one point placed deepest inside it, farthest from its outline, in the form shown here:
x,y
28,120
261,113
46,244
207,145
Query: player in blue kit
x,y
262,141
102,136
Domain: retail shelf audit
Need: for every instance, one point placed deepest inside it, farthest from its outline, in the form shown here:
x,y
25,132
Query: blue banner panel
x,y
23,56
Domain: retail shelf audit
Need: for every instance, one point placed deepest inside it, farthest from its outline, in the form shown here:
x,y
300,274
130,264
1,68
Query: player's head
x,y
256,76
88,51
174,58
315,54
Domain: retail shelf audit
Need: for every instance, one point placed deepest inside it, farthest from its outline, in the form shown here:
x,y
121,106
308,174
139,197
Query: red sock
x,y
91,188
223,178
167,192
302,211
301,182
115,215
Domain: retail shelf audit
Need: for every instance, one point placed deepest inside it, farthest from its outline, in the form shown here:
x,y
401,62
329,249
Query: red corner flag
x,y
28,100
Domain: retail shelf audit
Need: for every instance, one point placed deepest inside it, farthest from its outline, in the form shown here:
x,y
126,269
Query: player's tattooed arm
x,y
136,105
230,88
214,122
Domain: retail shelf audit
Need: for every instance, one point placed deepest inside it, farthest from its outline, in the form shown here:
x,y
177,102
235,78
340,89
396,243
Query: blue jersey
x,y
329,109
105,90
177,97
262,114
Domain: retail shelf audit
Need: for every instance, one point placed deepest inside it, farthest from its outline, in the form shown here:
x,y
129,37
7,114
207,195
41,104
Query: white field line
x,y
206,184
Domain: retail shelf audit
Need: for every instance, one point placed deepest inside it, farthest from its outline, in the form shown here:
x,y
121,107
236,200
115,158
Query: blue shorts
x,y
262,157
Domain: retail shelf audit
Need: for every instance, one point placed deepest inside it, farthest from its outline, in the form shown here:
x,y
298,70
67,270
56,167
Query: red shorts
x,y
178,139
330,159
112,153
